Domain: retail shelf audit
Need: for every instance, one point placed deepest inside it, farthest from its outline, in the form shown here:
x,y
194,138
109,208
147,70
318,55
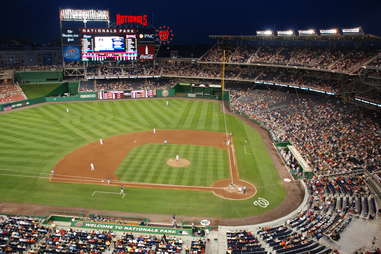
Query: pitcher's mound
x,y
181,163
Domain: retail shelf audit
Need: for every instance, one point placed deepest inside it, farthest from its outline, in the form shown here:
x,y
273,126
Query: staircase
x,y
358,66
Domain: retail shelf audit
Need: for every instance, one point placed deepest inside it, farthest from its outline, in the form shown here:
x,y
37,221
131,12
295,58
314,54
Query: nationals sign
x,y
123,19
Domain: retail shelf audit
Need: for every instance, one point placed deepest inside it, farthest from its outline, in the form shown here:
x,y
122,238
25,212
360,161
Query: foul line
x,y
108,192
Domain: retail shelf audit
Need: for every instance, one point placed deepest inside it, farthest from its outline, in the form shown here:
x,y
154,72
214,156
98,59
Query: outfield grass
x,y
147,163
34,139
33,91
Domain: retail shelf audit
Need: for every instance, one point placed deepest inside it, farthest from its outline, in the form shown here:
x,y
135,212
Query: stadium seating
x,y
332,59
18,233
198,247
284,240
337,143
73,241
243,242
10,93
148,244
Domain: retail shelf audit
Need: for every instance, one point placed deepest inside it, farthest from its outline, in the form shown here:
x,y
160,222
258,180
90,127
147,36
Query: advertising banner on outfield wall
x,y
130,228
88,95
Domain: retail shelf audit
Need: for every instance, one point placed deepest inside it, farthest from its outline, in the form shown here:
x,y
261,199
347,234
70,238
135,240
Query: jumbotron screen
x,y
96,47
109,43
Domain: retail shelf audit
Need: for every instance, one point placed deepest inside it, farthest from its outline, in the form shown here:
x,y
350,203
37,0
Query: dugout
x,y
307,170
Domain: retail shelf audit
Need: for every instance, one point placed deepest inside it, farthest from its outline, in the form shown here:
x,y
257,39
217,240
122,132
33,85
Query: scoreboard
x,y
115,47
89,36
117,44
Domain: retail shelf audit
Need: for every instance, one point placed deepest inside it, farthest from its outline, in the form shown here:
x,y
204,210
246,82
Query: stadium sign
x,y
70,36
123,19
130,228
164,34
84,15
71,53
88,96
146,52
108,30
146,36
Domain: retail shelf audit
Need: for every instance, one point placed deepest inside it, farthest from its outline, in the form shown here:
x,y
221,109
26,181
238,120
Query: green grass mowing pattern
x,y
147,163
33,140
190,203
33,91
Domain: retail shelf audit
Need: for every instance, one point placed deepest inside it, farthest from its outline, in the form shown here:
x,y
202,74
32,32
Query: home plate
x,y
287,180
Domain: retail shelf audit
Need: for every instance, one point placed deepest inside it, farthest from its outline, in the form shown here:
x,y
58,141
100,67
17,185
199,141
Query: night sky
x,y
193,21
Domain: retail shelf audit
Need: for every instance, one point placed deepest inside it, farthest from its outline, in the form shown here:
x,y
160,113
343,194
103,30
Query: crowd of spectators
x,y
331,59
73,241
125,84
331,136
323,81
148,244
296,77
18,234
197,247
243,242
121,70
10,92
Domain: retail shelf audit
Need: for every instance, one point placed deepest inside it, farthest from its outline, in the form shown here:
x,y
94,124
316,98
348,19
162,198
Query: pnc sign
x,y
123,19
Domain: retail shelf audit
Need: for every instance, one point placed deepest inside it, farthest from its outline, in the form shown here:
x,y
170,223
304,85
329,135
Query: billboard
x,y
115,95
71,53
84,15
146,52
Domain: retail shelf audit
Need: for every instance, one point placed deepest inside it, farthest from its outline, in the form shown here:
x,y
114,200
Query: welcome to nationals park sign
x,y
129,228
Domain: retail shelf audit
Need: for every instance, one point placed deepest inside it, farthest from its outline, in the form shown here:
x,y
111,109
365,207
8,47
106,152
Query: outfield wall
x,y
20,104
80,96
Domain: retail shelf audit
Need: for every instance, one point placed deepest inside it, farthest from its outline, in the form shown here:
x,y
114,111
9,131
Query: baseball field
x,y
125,142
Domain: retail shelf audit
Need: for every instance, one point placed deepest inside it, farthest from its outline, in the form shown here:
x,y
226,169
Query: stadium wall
x,y
38,76
20,104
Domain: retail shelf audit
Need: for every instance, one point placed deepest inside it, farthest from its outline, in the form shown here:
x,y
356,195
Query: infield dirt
x,y
76,166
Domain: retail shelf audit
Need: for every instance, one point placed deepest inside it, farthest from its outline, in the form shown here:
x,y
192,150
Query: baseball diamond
x,y
120,134
69,142
107,158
